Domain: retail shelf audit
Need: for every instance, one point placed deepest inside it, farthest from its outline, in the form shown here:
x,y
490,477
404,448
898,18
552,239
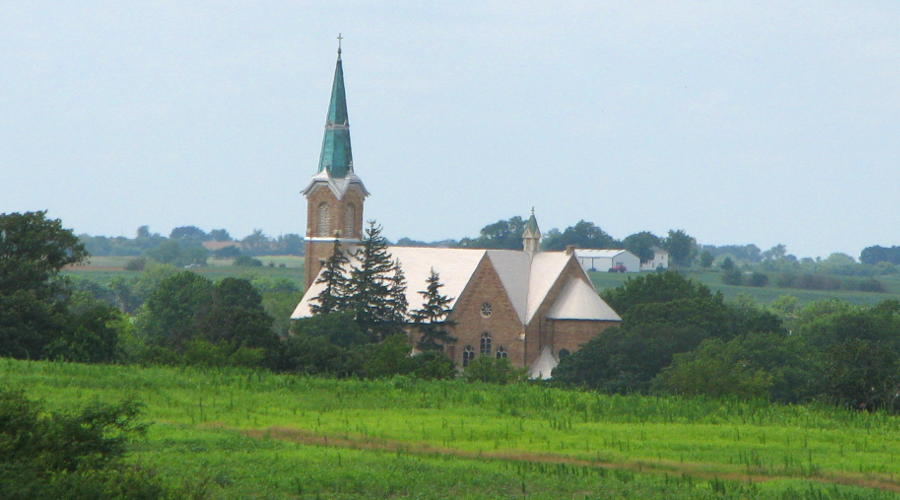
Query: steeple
x,y
337,158
335,195
531,236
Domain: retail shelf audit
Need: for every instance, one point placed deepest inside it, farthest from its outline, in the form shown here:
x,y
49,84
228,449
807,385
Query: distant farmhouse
x,y
621,261
528,306
660,260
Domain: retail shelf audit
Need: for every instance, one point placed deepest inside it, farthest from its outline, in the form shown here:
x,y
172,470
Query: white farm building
x,y
660,260
604,260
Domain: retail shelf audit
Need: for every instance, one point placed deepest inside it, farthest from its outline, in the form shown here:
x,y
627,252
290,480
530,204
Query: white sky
x,y
740,122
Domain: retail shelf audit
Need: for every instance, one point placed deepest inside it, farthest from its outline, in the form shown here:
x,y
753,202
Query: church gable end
x,y
556,334
486,321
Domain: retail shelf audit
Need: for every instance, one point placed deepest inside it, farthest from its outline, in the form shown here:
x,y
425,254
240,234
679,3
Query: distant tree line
x,y
184,245
877,254
507,234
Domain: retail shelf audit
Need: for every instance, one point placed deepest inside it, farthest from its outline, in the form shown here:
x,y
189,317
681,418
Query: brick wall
x,y
503,324
317,251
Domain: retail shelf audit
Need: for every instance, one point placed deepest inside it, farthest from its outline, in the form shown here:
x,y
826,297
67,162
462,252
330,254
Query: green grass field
x,y
767,294
256,434
104,269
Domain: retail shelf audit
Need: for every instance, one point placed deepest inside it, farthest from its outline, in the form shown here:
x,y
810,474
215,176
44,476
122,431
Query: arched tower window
x,y
501,353
468,355
323,220
349,220
486,344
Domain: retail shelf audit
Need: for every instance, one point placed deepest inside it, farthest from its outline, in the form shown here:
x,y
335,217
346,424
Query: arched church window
x,y
323,220
501,353
349,220
468,355
486,344
564,353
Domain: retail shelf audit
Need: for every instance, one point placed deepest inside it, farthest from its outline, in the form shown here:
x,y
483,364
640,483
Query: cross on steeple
x,y
339,38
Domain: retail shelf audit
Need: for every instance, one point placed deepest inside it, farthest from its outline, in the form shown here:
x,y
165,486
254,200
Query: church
x,y
528,306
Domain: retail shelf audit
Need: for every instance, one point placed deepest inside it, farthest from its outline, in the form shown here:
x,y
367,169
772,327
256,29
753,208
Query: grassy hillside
x,y
243,434
767,294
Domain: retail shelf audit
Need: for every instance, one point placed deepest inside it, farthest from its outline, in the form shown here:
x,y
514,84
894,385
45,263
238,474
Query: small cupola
x,y
531,236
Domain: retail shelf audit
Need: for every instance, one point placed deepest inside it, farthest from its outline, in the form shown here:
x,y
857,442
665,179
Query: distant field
x,y
104,269
278,436
767,294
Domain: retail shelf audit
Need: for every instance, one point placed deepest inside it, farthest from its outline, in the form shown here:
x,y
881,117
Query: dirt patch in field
x,y
697,470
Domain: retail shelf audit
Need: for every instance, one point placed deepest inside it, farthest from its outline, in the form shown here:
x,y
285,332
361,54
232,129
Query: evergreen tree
x,y
333,297
370,286
397,303
431,320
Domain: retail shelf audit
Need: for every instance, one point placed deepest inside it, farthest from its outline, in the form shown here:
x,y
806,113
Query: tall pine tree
x,y
333,297
397,302
431,320
371,278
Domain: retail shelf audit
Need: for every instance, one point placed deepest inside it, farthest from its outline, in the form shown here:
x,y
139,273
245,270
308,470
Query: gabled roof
x,y
545,270
336,157
603,252
578,300
526,278
454,265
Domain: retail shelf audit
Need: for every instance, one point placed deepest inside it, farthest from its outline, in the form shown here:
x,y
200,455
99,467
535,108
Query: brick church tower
x,y
335,195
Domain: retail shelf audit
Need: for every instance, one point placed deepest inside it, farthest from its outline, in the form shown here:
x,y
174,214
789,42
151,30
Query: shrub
x,y
387,358
768,365
493,371
229,252
200,352
70,455
136,264
758,279
868,285
316,355
337,328
732,277
247,261
433,365
808,281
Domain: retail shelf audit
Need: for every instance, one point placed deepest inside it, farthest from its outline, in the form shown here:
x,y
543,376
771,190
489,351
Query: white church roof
x,y
454,265
578,300
527,279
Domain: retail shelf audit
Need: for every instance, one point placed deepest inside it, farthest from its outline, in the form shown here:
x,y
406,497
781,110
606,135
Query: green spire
x,y
336,157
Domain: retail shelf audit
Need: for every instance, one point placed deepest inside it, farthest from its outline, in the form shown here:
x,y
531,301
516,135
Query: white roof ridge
x,y
538,287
